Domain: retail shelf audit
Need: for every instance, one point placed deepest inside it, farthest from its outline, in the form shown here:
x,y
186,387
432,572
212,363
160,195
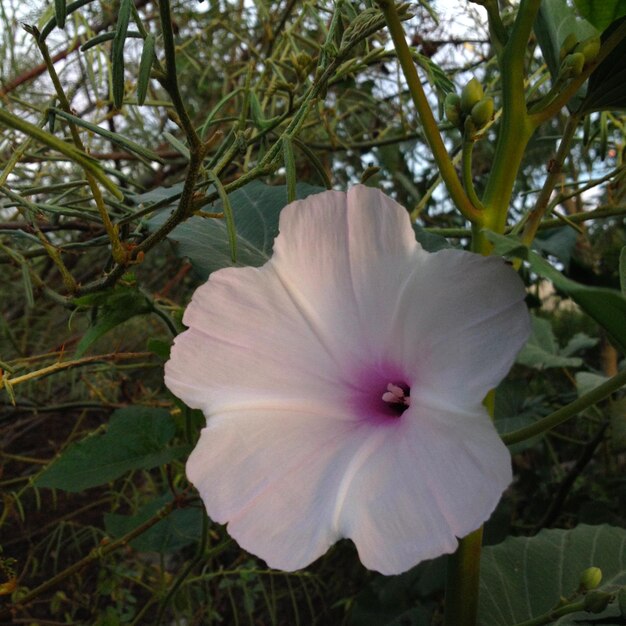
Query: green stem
x,y
554,173
461,603
554,614
429,124
466,170
568,411
516,128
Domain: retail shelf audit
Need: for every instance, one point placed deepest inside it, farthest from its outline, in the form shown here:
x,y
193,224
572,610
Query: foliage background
x,y
93,282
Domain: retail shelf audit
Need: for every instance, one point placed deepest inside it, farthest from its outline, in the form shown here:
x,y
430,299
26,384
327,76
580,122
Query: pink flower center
x,y
398,397
380,393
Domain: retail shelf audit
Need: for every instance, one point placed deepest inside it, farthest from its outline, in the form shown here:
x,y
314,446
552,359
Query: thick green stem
x,y
568,411
461,604
429,124
516,127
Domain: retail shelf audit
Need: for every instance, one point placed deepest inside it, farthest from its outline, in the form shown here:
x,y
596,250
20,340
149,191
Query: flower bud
x,y
589,48
482,111
572,65
596,601
452,109
591,578
470,95
568,45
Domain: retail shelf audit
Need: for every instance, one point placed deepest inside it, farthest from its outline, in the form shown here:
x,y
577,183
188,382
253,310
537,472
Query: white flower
x,y
343,383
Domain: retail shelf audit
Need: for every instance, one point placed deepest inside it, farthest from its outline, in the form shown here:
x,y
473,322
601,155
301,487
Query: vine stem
x,y
554,172
568,411
429,124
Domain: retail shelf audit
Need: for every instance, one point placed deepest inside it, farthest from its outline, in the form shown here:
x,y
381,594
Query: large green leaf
x,y
137,438
204,241
179,529
525,577
601,13
605,306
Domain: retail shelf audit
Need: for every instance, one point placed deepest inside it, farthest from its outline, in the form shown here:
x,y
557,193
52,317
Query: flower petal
x,y
348,255
428,483
459,323
249,343
273,476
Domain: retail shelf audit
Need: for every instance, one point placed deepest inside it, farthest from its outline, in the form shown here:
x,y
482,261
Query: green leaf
x,y
60,12
117,53
431,242
70,8
525,577
602,13
75,155
136,439
555,21
542,350
205,242
145,66
558,242
607,83
515,409
102,37
180,528
118,305
115,138
606,306
178,145
622,270
588,381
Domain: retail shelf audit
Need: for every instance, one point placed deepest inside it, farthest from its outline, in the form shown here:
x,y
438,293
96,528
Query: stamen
x,y
396,395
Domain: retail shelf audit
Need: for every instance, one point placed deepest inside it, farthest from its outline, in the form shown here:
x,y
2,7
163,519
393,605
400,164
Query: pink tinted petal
x,y
460,323
273,476
249,343
348,255
427,484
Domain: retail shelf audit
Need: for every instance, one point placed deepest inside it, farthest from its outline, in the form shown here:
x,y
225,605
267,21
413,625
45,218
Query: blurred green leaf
x,y
75,155
605,306
524,577
542,351
515,409
136,438
622,270
205,242
117,53
145,67
117,306
60,12
558,242
115,138
180,528
70,8
601,13
588,381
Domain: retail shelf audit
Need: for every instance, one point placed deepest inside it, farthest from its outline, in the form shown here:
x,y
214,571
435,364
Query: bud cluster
x,y
471,110
576,55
